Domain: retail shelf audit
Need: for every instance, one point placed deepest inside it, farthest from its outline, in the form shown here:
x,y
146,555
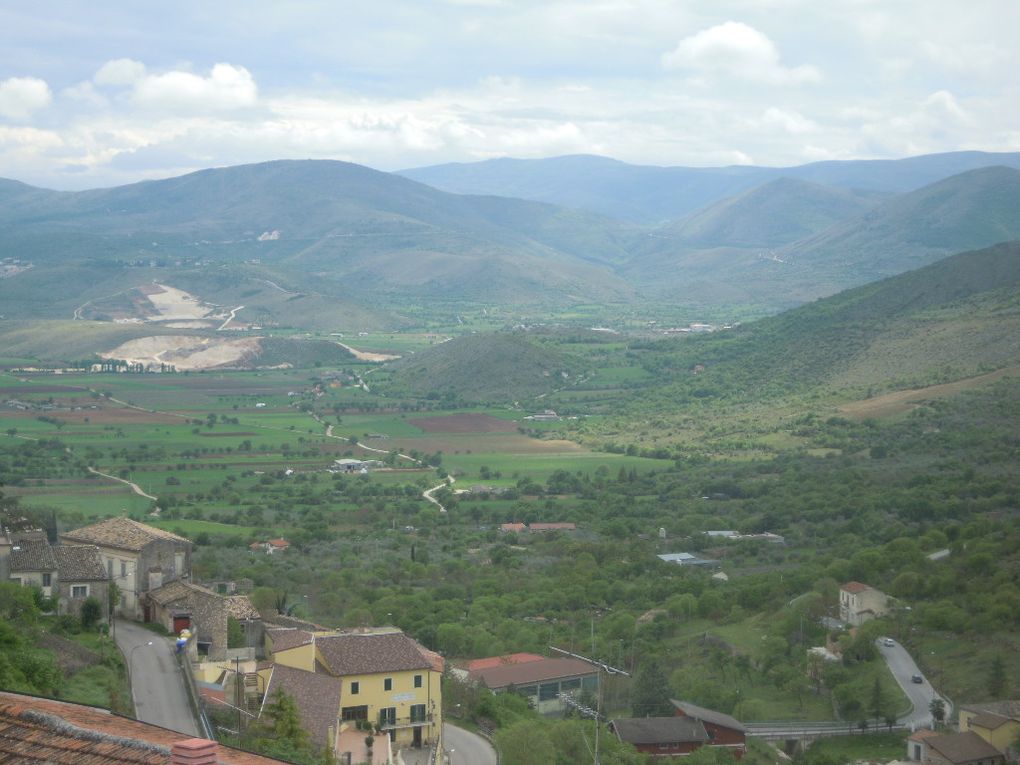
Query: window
x,y
123,568
387,716
355,688
354,713
570,684
548,691
387,684
109,568
47,579
80,591
417,681
418,713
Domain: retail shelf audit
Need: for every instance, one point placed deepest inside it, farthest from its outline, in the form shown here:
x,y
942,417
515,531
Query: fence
x,y
205,729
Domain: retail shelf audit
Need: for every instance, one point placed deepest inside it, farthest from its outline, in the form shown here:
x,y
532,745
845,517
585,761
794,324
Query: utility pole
x,y
600,666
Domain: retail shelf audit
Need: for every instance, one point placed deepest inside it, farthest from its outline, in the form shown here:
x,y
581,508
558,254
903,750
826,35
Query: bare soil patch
x,y
186,351
70,656
464,423
902,401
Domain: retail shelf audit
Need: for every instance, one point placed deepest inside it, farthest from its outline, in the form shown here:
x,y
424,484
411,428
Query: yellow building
x,y
352,680
997,722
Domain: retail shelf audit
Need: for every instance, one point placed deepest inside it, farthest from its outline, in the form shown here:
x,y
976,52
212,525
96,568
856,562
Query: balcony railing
x,y
394,723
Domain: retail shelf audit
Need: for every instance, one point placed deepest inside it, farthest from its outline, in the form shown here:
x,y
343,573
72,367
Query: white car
x,y
889,642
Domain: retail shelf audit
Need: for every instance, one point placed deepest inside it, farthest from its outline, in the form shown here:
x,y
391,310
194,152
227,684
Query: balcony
x,y
396,723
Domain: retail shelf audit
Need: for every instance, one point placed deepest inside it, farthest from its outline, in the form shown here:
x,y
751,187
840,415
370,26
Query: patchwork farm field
x,y
248,454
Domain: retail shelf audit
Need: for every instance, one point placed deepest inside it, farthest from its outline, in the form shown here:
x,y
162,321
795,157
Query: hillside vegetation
x,y
501,367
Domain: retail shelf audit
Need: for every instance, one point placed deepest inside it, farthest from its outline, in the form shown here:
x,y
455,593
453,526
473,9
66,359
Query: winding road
x,y
466,748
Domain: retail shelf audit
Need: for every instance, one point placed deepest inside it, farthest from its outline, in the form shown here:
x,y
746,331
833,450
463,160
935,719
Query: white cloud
x,y
120,72
791,122
20,97
943,105
735,49
225,87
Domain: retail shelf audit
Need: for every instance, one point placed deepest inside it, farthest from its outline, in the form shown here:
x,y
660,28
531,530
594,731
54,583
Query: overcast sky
x,y
100,93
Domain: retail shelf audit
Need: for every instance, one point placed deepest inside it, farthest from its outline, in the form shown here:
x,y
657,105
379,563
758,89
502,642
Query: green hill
x,y
955,318
973,209
770,215
331,227
502,366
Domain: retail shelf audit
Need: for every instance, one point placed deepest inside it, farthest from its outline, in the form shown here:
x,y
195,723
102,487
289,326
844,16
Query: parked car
x,y
917,679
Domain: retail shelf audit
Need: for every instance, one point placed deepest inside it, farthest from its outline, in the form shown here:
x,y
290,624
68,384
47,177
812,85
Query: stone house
x,y
137,558
69,573
81,575
859,603
181,605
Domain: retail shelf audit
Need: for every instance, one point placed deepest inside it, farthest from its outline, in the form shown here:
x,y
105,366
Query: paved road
x,y
903,668
156,683
466,748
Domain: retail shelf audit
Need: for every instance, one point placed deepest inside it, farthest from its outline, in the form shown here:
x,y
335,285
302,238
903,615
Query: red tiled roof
x,y
854,587
36,730
498,661
532,672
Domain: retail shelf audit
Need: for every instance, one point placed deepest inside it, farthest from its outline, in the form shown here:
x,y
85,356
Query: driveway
x,y
466,748
903,668
157,686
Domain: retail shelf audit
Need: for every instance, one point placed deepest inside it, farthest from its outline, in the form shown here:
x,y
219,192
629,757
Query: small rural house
x,y
69,573
721,729
180,604
661,736
997,722
859,603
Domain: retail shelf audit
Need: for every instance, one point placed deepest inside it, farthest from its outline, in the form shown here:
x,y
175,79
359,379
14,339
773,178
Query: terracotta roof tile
x,y
37,730
365,654
79,563
854,587
286,638
120,532
498,661
962,748
32,556
317,698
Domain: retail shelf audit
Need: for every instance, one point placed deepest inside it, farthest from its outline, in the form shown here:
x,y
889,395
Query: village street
x,y
157,686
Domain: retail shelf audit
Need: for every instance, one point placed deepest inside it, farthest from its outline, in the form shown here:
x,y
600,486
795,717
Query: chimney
x,y
194,751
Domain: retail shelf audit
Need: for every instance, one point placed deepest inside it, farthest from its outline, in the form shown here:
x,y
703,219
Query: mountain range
x,y
324,244
651,194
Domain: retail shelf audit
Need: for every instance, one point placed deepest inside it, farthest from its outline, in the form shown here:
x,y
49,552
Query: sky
x,y
103,93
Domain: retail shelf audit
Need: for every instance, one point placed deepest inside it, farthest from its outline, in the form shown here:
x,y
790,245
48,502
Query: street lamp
x,y
131,658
